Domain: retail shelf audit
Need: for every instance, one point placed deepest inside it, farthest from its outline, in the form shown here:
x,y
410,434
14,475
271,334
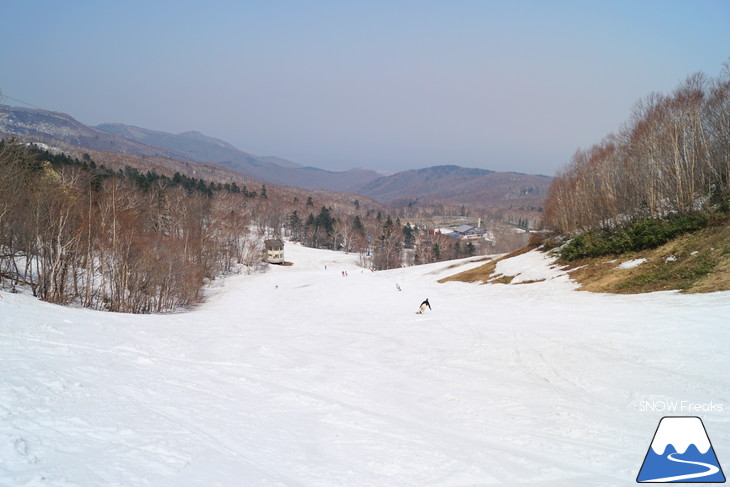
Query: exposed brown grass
x,y
485,273
500,279
531,281
697,262
692,263
480,273
459,264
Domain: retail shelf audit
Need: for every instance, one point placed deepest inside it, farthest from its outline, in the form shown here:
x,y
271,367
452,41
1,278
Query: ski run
x,y
323,374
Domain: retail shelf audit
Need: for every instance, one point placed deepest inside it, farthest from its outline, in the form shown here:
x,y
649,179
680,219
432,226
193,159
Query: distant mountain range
x,y
447,183
48,126
458,184
194,146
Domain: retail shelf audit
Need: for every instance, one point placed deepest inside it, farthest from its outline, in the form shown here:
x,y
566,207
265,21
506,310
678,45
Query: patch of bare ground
x,y
485,273
463,263
459,264
697,262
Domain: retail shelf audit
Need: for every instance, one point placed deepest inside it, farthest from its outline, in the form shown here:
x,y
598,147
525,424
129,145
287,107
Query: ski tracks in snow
x,y
303,377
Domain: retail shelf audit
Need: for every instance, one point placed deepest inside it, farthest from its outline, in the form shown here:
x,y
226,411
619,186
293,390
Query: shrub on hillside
x,y
641,235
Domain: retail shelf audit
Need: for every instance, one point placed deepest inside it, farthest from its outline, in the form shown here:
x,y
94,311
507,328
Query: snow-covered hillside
x,y
304,377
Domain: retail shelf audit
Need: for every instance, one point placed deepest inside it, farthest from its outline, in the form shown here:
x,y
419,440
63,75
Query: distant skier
x,y
423,306
398,287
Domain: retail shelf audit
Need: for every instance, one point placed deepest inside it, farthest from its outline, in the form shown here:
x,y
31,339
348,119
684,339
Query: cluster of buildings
x,y
464,232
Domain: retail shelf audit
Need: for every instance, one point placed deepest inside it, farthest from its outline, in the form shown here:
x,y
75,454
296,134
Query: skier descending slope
x,y
422,308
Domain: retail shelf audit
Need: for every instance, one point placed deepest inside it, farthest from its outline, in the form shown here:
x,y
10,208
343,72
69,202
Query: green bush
x,y
640,235
676,275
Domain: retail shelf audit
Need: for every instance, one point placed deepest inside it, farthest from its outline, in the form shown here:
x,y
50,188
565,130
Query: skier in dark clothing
x,y
422,308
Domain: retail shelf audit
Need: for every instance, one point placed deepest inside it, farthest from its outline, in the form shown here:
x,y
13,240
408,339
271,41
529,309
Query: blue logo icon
x,y
680,452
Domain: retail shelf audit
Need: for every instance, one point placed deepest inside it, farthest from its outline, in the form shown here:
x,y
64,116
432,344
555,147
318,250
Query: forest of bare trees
x,y
125,240
132,237
74,233
672,156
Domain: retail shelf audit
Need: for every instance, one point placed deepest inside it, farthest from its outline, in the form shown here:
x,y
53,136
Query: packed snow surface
x,y
304,377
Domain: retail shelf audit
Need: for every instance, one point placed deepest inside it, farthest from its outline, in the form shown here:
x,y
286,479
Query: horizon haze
x,y
385,86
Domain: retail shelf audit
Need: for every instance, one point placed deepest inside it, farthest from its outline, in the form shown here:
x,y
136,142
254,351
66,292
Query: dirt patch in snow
x,y
486,273
691,263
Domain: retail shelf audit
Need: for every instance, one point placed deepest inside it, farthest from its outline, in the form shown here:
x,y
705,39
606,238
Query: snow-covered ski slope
x,y
303,377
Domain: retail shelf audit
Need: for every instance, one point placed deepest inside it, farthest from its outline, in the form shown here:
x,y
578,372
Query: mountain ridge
x,y
49,125
459,184
446,183
275,170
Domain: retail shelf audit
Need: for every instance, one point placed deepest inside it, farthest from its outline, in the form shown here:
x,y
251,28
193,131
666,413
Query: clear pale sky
x,y
390,85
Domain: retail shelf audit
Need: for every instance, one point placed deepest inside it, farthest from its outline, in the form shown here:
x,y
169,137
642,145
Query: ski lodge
x,y
470,232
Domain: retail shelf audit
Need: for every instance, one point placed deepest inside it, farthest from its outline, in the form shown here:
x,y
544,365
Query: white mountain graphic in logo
x,y
681,452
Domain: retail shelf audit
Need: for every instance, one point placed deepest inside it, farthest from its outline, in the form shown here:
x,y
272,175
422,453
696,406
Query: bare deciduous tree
x,y
672,155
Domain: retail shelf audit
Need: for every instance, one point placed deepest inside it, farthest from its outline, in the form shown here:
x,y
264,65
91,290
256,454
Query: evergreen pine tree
x,y
436,249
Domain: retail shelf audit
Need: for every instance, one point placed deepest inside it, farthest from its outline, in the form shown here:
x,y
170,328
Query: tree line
x,y
134,240
672,156
75,232
381,241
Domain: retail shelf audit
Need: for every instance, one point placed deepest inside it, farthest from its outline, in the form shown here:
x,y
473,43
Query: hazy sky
x,y
393,85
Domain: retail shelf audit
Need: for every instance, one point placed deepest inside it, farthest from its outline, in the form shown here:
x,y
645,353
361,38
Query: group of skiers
x,y
425,304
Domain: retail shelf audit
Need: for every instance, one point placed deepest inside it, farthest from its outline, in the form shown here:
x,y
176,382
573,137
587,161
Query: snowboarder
x,y
422,308
397,287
